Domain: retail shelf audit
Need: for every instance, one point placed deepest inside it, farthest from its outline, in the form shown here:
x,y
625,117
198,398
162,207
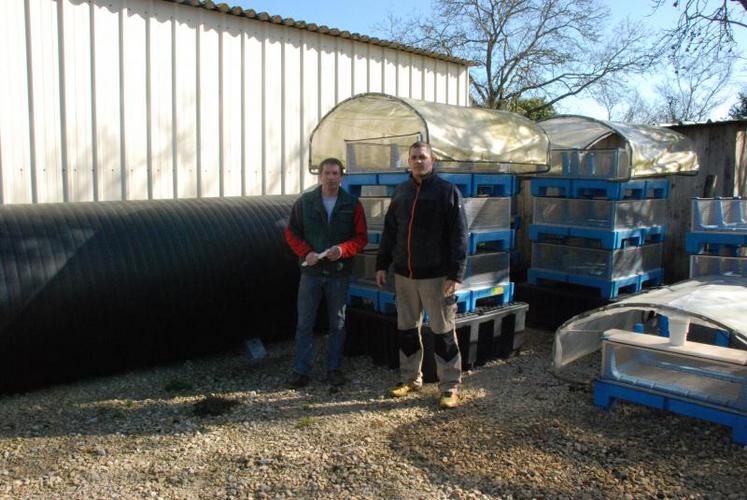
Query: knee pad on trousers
x,y
409,341
445,345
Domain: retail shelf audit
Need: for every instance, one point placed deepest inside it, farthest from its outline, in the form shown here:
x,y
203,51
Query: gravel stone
x,y
224,427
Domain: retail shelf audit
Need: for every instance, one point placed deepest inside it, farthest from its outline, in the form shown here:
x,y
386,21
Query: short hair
x,y
420,144
331,161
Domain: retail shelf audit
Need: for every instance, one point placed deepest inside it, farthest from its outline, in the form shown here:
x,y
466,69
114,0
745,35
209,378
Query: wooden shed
x,y
722,153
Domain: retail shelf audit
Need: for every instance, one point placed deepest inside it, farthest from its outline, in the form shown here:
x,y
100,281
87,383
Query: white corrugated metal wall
x,y
139,99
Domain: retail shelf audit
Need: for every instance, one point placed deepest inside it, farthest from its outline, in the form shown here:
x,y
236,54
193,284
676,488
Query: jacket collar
x,y
426,180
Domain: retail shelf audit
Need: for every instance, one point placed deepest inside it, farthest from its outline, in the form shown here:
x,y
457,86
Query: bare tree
x,y
695,90
611,95
705,27
638,110
544,49
623,103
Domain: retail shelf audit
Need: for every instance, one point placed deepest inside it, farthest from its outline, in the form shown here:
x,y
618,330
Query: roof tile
x,y
303,25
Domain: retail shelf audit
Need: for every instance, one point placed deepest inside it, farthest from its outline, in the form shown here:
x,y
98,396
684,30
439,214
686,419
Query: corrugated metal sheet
x,y
150,99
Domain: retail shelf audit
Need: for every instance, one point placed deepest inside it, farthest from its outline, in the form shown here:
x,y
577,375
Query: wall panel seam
x,y
264,110
122,149
198,104
301,105
174,129
149,107
94,121
63,114
283,107
243,111
2,185
221,111
30,96
368,68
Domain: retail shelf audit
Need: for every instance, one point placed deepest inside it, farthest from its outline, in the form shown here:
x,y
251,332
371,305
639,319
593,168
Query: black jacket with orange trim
x,y
425,231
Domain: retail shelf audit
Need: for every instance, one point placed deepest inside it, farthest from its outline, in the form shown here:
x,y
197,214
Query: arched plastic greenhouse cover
x,y
712,301
372,133
649,151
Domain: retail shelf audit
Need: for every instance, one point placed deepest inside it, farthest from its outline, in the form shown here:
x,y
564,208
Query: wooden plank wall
x,y
720,148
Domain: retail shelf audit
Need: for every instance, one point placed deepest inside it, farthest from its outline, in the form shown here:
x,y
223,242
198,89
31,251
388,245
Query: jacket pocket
x,y
343,216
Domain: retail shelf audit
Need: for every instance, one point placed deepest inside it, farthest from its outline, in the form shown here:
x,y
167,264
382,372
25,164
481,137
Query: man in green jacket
x,y
327,227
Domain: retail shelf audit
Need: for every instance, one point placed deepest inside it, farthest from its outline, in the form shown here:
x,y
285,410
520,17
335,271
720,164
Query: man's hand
x,y
334,253
381,278
450,287
311,258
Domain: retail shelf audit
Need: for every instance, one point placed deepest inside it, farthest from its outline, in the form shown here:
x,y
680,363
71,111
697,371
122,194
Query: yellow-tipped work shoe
x,y
448,399
402,389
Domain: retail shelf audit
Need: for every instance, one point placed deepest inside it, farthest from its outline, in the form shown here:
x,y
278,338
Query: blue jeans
x,y
310,290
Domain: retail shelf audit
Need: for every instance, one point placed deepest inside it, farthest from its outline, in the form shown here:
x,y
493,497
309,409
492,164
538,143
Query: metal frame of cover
x,y
652,151
713,301
462,138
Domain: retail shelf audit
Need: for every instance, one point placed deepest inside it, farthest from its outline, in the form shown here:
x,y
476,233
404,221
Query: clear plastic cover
x,y
704,265
648,151
688,372
487,269
597,263
717,302
592,163
370,131
378,154
599,214
375,209
488,213
720,215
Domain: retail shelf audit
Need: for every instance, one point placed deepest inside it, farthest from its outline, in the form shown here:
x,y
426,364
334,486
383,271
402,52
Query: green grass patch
x,y
177,385
304,422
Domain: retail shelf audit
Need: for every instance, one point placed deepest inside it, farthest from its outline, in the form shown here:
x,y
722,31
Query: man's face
x,y
330,176
421,162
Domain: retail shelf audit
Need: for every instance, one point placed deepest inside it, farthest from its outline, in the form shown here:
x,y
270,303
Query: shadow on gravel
x,y
164,417
195,396
536,436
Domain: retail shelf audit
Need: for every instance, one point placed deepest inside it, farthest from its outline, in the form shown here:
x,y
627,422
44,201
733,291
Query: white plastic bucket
x,y
678,327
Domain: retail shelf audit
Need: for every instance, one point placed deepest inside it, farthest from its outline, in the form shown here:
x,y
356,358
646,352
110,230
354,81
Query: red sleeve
x,y
298,245
294,231
360,240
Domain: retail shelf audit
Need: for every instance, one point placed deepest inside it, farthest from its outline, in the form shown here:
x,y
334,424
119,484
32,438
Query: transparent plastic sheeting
x,y
456,133
652,150
718,302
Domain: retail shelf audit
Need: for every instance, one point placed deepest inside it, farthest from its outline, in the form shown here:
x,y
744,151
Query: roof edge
x,y
326,30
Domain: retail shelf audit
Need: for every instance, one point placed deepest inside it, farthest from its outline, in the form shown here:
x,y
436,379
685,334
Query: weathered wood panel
x,y
718,148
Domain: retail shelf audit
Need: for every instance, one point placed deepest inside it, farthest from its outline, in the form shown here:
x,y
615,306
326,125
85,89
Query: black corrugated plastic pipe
x,y
91,288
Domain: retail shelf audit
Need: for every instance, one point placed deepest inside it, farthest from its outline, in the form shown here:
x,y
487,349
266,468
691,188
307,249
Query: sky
x,y
364,17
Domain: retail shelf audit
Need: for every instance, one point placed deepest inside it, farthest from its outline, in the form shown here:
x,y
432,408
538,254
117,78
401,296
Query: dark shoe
x,y
297,380
335,378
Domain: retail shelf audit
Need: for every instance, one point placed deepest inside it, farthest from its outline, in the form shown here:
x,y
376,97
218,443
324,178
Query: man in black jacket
x,y
425,238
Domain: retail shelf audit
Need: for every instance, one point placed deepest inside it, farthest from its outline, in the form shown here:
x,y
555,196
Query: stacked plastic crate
x,y
490,238
718,237
592,229
485,295
693,379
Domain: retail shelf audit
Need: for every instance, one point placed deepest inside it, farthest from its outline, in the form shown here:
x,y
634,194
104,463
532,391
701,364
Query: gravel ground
x,y
223,427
